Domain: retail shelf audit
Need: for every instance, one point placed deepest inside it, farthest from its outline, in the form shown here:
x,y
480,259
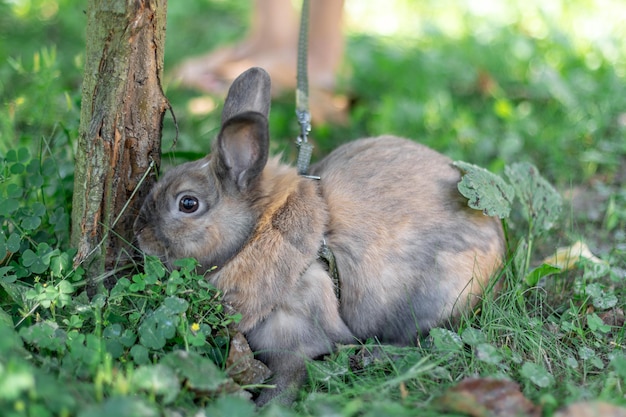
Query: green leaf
x,y
34,167
6,276
65,287
17,168
138,283
156,329
121,407
231,406
128,338
173,282
98,301
23,155
533,277
45,335
157,379
488,353
201,373
17,291
86,350
35,180
596,324
38,209
29,258
141,355
446,340
13,243
588,354
541,203
8,206
60,219
154,267
571,362
485,191
60,265
11,156
38,262
31,222
14,191
11,347
74,322
5,320
176,305
119,290
600,298
117,339
161,325
48,167
619,364
537,374
473,336
595,270
186,265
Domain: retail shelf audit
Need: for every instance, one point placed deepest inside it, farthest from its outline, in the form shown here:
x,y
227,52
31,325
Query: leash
x,y
305,149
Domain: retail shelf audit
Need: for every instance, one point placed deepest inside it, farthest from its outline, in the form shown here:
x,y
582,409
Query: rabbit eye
x,y
188,204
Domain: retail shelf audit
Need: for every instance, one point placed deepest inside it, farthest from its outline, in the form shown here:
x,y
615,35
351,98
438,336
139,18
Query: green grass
x,y
520,82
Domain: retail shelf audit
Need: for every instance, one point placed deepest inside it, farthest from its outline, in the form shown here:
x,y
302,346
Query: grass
x,y
518,82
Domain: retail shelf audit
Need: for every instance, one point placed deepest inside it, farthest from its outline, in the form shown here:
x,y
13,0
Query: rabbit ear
x,y
242,148
249,92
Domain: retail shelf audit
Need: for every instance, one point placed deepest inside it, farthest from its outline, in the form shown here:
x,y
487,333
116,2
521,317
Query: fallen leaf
x,y
591,409
241,365
567,257
404,392
614,317
488,397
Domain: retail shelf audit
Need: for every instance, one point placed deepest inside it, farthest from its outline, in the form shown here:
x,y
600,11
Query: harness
x,y
326,255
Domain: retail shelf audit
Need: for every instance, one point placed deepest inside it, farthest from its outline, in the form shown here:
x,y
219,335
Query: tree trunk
x,y
120,129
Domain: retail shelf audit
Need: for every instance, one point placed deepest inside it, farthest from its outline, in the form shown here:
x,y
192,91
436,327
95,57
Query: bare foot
x,y
214,72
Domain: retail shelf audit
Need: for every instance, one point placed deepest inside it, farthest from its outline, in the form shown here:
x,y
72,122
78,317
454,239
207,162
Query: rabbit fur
x,y
410,253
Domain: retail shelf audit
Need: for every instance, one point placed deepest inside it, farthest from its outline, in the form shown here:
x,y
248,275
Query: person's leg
x,y
272,44
274,24
325,42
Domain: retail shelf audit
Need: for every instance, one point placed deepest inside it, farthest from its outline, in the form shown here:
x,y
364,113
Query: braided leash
x,y
305,149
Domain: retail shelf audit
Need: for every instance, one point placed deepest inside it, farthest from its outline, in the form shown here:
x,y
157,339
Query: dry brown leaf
x,y
487,397
241,365
591,409
567,257
614,317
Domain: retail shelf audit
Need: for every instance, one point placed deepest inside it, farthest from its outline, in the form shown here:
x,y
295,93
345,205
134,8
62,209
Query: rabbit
x,y
410,253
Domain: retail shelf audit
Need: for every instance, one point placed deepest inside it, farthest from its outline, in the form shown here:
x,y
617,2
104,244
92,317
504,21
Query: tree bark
x,y
120,129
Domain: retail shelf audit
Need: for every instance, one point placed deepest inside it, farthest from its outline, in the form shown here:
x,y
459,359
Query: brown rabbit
x,y
410,253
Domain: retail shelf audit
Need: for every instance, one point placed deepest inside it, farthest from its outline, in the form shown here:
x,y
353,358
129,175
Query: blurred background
x,y
487,81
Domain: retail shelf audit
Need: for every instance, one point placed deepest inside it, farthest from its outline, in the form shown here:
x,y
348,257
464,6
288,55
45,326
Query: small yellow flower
x,y
195,327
